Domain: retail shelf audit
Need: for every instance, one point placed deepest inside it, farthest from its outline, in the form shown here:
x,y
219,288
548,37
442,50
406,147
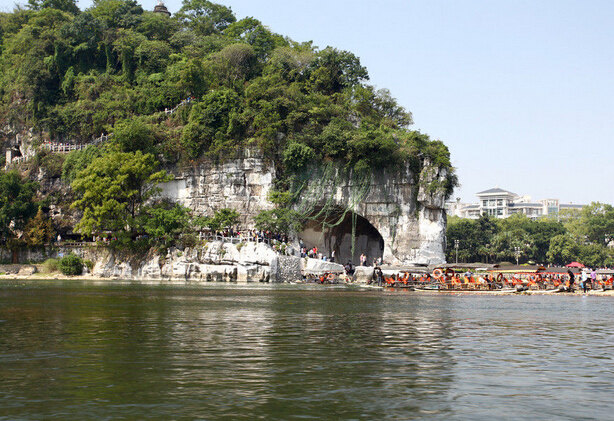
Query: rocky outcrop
x,y
242,184
407,209
214,262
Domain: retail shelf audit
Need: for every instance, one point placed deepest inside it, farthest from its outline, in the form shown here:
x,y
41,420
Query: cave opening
x,y
333,231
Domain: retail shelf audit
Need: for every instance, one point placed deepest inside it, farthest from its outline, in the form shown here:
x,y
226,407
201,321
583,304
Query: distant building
x,y
501,203
161,8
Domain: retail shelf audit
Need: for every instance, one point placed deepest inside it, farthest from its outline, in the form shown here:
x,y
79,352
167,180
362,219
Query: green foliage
x,y
79,160
298,156
39,230
543,240
279,220
16,203
51,265
89,264
115,68
595,222
133,135
71,265
165,223
113,190
76,75
224,218
205,17
69,6
212,123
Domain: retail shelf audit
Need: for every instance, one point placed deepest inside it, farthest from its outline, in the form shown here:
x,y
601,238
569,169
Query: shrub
x,y
71,265
50,265
89,264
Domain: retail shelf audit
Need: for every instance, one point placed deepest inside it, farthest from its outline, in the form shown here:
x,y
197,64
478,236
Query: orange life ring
x,y
437,273
331,276
499,277
450,272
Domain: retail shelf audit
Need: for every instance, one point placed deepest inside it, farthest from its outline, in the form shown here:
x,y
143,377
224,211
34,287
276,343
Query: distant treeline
x,y
585,236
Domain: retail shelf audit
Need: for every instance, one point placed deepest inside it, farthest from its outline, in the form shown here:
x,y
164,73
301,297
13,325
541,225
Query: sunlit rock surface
x,y
402,206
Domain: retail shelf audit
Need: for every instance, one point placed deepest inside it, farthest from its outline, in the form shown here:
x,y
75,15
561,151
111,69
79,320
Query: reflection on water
x,y
113,351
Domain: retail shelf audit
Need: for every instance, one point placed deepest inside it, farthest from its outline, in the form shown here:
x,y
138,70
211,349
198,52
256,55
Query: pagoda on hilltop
x,y
161,8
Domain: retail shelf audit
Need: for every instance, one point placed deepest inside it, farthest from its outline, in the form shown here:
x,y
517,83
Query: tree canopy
x,y
232,84
585,237
113,190
115,67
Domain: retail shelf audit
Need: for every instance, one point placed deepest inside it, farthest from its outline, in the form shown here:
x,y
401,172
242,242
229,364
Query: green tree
x,y
39,230
79,160
69,6
298,156
563,249
334,70
165,222
279,221
16,203
596,223
117,13
113,190
133,135
474,236
157,26
211,122
205,17
224,218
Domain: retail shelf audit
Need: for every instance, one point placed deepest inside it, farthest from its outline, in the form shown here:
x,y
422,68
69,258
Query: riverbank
x,y
42,277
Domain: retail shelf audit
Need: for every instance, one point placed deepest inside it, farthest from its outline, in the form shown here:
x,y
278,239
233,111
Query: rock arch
x,y
334,231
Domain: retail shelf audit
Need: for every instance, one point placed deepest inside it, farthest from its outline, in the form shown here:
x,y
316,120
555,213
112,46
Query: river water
x,y
72,350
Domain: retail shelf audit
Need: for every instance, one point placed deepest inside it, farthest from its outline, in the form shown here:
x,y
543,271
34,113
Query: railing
x,y
181,104
63,147
76,244
236,239
287,250
60,147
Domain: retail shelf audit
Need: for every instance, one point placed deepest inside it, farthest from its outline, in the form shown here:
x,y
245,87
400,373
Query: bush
x,y
71,265
50,265
89,264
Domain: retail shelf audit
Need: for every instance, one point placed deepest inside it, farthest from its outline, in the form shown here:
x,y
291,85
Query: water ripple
x,y
126,351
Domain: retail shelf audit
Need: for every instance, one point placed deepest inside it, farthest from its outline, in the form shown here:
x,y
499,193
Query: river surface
x,y
72,350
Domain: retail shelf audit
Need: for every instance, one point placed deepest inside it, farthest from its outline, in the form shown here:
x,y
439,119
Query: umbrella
x,y
575,265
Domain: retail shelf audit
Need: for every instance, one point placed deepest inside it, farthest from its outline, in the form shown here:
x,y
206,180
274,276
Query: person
x,y
349,269
332,256
488,281
584,277
572,279
378,275
593,279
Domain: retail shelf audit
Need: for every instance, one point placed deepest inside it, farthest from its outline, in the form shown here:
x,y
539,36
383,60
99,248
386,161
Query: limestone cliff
x,y
404,208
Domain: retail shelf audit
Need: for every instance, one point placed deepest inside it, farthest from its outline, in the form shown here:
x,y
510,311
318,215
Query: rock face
x,y
214,262
242,184
406,209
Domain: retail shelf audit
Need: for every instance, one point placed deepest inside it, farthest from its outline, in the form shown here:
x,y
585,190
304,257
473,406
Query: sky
x,y
521,91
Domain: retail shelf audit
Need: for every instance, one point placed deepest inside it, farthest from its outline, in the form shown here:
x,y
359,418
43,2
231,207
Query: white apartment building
x,y
501,203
